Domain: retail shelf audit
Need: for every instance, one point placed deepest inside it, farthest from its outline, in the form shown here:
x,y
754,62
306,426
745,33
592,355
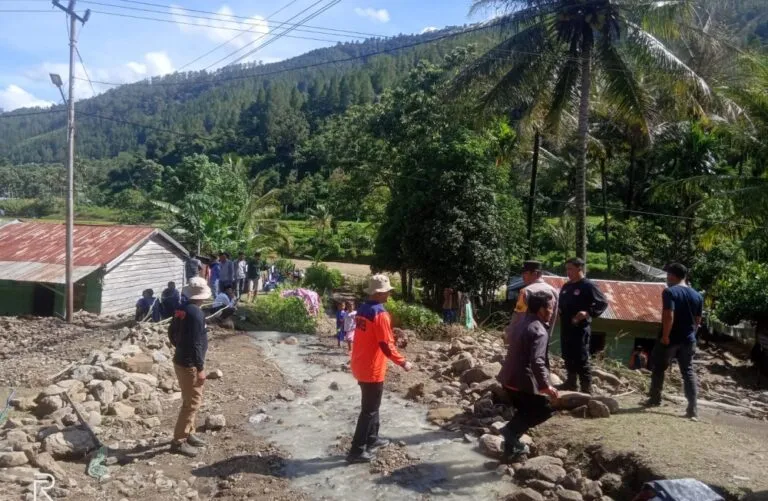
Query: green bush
x,y
320,278
283,314
29,207
411,316
285,266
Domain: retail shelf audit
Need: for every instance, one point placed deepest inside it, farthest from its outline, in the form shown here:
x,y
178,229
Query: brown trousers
x,y
191,400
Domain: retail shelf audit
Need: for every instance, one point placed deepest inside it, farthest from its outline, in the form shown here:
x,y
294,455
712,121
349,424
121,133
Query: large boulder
x,y
463,362
612,403
481,373
442,415
69,443
215,422
140,363
491,446
48,405
10,459
546,468
598,409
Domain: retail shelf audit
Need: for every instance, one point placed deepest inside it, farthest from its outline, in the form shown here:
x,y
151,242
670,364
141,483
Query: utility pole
x,y
73,18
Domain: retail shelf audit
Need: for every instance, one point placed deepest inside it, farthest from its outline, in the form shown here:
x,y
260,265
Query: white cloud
x,y
13,97
379,15
152,64
223,29
428,29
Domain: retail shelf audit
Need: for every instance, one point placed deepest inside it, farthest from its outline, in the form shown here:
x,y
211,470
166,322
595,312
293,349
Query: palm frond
x,y
564,92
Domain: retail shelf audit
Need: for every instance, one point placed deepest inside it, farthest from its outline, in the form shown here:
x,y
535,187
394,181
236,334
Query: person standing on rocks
x,y
189,336
531,275
374,344
579,302
680,320
192,267
525,374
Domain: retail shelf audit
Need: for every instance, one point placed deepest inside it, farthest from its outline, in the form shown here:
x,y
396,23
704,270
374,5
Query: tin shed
x,y
112,265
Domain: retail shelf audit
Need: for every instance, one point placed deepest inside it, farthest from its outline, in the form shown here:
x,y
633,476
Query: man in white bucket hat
x,y
374,344
189,336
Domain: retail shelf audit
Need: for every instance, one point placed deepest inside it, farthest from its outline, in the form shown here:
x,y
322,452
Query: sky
x,y
119,49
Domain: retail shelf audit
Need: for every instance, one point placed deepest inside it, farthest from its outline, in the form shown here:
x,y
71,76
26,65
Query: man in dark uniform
x,y
579,302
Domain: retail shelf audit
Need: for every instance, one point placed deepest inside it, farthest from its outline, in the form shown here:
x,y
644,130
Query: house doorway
x,y
597,342
43,301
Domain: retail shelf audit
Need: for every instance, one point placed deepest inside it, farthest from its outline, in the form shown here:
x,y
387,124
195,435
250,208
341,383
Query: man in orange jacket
x,y
374,344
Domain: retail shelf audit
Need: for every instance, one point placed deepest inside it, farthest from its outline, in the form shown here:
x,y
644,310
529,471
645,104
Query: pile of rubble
x,y
118,392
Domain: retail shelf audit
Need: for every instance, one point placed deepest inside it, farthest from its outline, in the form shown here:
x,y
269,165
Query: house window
x,y
597,342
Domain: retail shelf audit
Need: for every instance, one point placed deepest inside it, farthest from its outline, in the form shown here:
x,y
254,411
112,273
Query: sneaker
x,y
196,441
363,457
514,449
692,415
378,444
184,449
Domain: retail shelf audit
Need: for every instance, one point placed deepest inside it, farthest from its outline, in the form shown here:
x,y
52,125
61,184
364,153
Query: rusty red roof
x,y
44,242
632,301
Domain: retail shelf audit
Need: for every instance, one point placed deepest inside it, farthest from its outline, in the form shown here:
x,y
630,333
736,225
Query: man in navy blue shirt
x,y
579,302
680,319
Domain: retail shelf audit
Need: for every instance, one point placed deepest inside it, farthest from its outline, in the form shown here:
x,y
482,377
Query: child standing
x,y
350,324
341,314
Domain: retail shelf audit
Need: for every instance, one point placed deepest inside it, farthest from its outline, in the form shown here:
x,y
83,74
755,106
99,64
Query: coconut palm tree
x,y
556,51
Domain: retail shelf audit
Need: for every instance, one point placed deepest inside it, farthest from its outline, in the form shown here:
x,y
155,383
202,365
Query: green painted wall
x,y
15,298
619,336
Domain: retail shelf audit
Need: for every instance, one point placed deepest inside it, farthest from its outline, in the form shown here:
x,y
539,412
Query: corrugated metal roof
x,y
21,271
632,301
44,243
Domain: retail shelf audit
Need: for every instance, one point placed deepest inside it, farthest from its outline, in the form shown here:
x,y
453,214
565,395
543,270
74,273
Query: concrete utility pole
x,y
73,18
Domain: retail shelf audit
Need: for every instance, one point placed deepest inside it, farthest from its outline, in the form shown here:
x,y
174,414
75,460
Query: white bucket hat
x,y
378,283
197,288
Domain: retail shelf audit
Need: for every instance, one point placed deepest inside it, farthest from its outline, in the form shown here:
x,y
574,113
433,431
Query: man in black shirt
x,y
189,336
579,302
680,319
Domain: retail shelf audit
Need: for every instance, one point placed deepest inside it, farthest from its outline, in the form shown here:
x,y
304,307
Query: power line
x,y
85,70
261,37
227,42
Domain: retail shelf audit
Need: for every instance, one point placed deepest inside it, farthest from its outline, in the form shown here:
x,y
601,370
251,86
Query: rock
x,y
591,490
215,374
48,404
567,495
526,494
149,407
606,377
151,422
111,373
291,340
580,412
481,373
554,379
69,419
119,390
45,431
135,378
540,485
287,394
121,410
612,403
140,388
130,349
569,400
69,443
47,464
442,415
546,468
497,427
215,422
71,386
491,446
102,391
259,418
23,404
9,459
598,409
572,480
93,418
334,386
611,484
560,453
415,392
463,362
159,357
22,475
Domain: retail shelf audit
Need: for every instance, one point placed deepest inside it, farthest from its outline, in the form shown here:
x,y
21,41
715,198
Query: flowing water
x,y
308,427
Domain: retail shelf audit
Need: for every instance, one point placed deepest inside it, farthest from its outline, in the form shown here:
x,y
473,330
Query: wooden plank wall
x,y
152,266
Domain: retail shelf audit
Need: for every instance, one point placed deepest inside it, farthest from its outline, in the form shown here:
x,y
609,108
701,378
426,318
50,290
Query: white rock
x,y
121,410
120,390
215,422
287,394
103,391
215,374
69,443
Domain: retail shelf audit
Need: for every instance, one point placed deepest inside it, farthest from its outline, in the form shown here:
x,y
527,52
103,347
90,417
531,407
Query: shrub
x,y
285,266
411,316
283,314
320,278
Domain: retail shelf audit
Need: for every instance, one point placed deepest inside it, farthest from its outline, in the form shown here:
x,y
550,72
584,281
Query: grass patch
x,y
283,314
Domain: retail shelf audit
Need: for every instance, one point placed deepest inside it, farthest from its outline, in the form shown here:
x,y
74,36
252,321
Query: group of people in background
x,y
457,308
525,373
345,323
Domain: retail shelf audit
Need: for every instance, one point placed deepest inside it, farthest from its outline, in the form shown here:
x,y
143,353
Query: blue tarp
x,y
681,490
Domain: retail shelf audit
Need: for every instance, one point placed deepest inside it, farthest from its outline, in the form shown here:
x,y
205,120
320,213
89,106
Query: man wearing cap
x,y
680,319
579,302
533,284
189,336
374,344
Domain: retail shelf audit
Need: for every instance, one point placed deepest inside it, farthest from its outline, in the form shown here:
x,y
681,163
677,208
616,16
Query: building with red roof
x,y
112,266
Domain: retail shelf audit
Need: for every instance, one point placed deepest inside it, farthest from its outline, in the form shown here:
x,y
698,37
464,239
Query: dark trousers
x,y
661,356
530,410
575,343
367,430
